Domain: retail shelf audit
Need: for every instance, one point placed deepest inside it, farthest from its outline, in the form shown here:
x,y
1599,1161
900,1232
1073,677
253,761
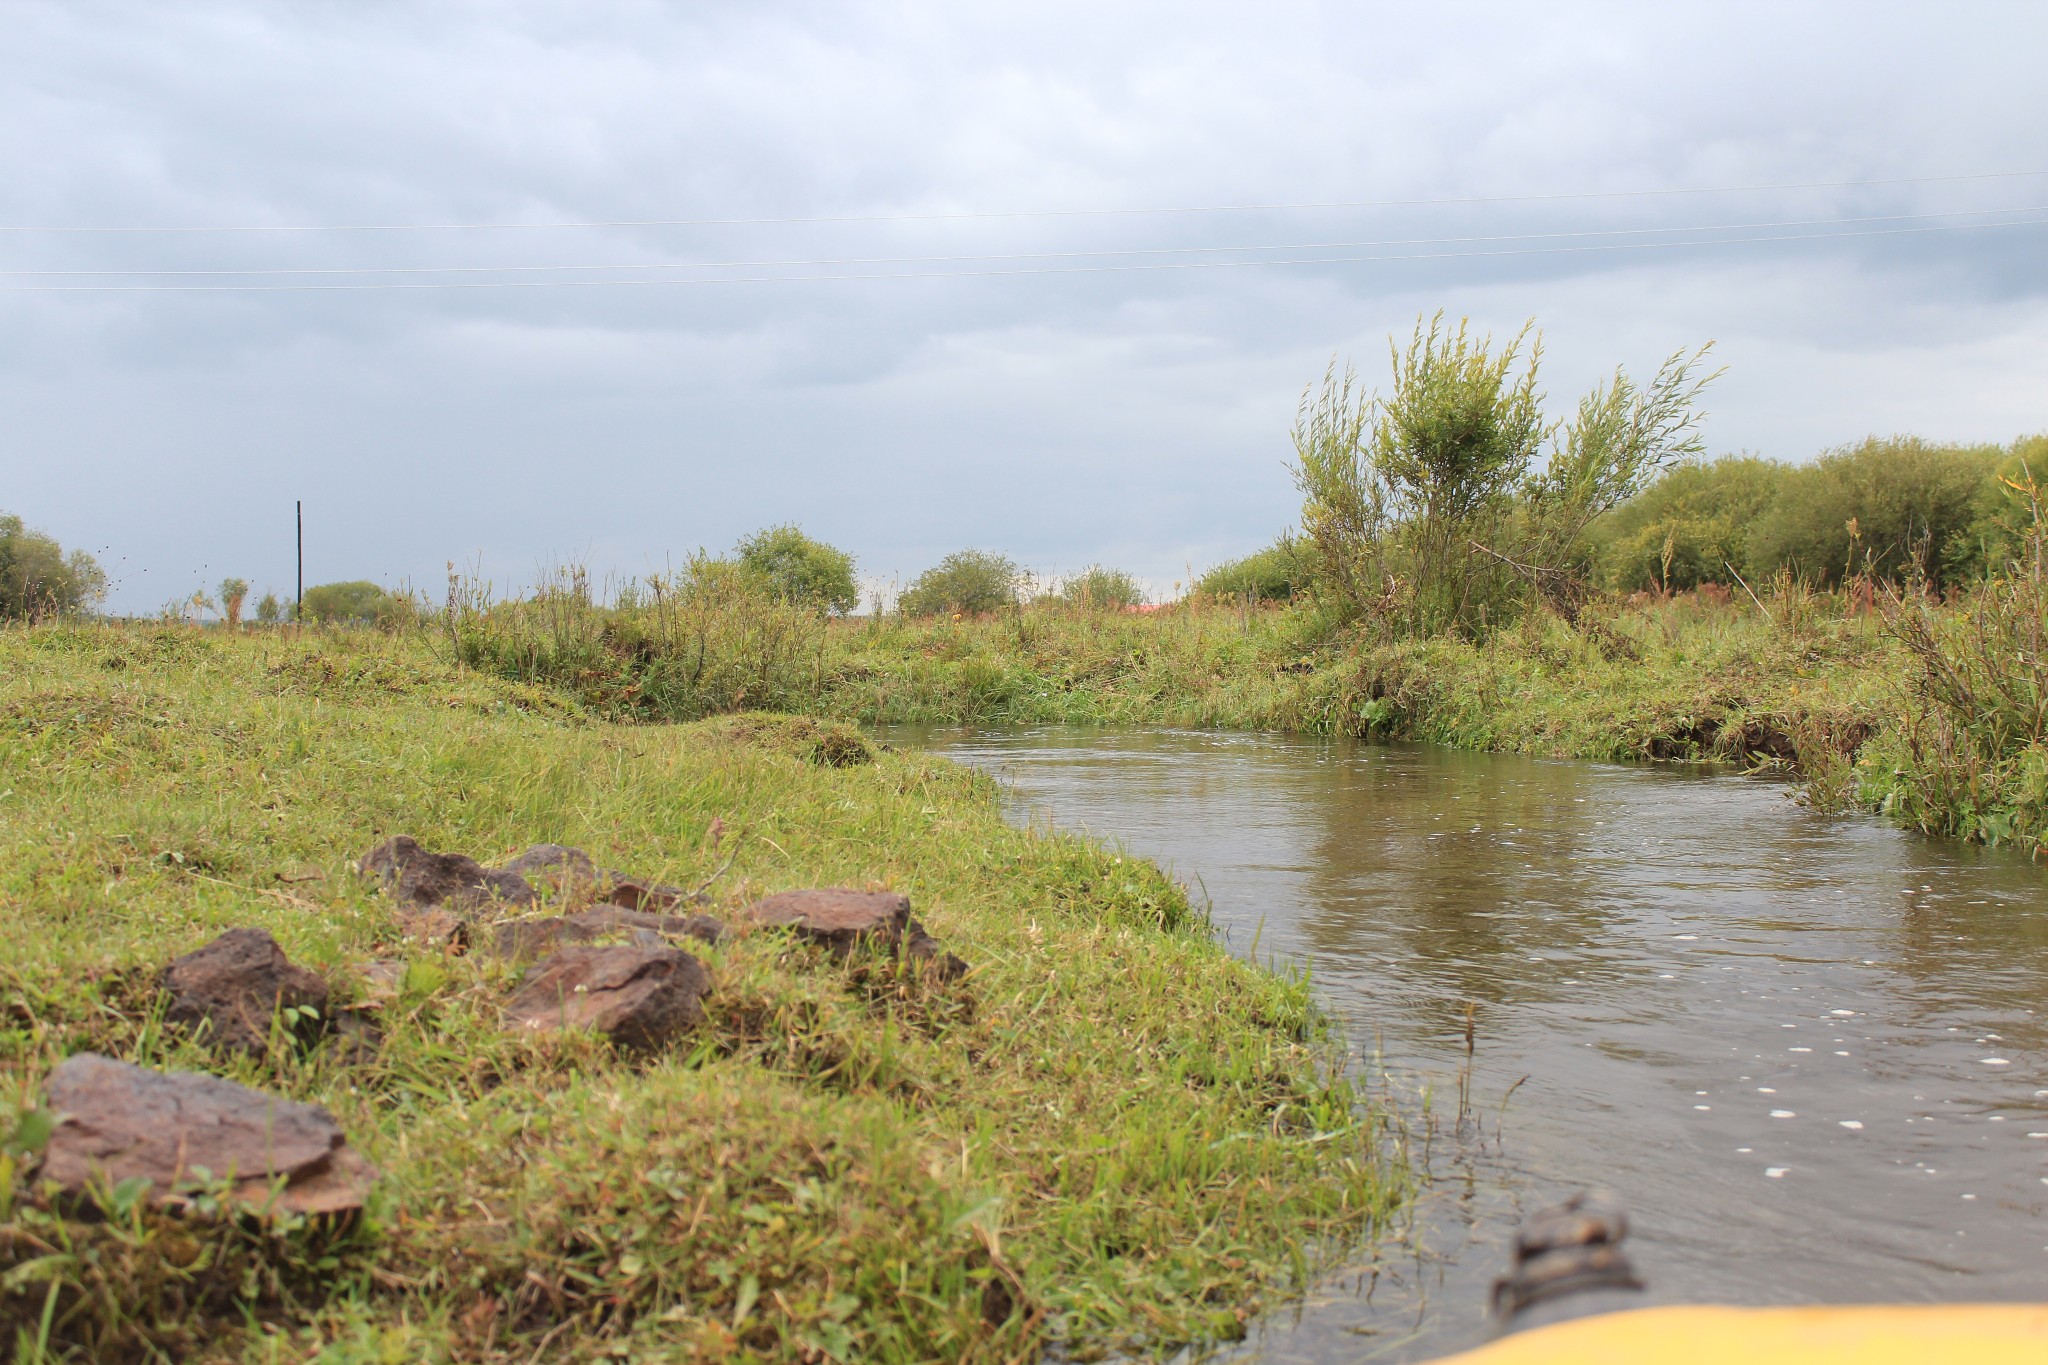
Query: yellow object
x,y
1923,1334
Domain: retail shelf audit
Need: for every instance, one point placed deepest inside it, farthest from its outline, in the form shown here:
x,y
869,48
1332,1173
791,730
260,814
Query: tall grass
x,y
1970,756
708,640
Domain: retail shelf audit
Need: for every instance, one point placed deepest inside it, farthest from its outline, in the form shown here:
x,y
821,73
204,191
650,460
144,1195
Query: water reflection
x,y
1807,1052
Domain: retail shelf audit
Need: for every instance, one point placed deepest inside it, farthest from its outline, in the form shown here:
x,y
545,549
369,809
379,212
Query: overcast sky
x,y
996,377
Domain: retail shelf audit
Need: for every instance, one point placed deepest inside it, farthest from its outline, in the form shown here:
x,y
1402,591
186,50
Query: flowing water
x,y
1809,1053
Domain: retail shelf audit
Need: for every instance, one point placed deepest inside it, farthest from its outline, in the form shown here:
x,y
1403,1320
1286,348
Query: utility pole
x,y
299,605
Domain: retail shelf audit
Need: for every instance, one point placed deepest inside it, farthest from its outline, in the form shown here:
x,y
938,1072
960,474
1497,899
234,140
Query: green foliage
x,y
1891,507
1278,573
1971,755
1100,589
966,581
360,601
38,580
2004,510
1453,444
270,611
800,569
1687,527
1427,510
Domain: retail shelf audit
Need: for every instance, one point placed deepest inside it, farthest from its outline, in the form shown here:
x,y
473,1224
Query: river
x,y
1809,1053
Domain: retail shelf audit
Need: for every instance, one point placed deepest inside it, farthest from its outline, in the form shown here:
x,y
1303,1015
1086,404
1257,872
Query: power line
x,y
1008,256
989,274
1027,213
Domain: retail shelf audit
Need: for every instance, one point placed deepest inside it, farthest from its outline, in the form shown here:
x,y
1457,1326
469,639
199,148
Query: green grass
x,y
1137,1138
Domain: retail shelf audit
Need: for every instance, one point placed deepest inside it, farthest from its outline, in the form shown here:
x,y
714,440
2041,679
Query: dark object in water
x,y
1568,1263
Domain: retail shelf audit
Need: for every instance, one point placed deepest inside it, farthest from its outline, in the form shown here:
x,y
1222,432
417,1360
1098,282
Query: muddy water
x,y
1810,1054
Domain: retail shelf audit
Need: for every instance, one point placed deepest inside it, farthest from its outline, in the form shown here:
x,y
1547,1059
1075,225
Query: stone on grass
x,y
640,998
531,938
838,919
559,868
453,881
922,949
117,1122
436,928
231,990
632,893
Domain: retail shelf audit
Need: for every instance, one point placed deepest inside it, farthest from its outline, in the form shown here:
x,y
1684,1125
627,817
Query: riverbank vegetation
x,y
1469,571
1109,1134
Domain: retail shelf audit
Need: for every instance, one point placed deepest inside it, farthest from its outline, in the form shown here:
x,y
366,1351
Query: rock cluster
x,y
643,991
180,1130
460,884
183,1131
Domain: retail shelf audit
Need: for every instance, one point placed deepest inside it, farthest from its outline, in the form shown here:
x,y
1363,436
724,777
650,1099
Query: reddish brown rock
x,y
633,894
638,997
921,948
119,1122
452,881
601,918
531,938
436,927
230,991
835,918
562,870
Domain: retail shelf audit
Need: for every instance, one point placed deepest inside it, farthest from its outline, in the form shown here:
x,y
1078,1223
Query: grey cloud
x,y
1137,417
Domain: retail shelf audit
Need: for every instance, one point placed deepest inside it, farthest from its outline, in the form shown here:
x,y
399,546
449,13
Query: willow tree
x,y
1452,500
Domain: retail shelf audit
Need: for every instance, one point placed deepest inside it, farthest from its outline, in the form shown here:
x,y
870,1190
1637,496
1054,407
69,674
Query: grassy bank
x,y
1931,714
1110,1134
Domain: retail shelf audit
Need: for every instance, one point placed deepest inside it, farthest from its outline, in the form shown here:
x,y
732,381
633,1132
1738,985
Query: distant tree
x,y
1274,574
37,579
1102,589
966,581
1688,527
269,611
233,592
799,569
358,601
1897,505
2004,508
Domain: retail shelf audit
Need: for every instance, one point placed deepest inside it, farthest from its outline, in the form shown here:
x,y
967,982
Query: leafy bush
x,y
1687,527
359,601
800,569
1427,509
1275,574
38,580
1889,506
1102,589
966,581
2004,516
